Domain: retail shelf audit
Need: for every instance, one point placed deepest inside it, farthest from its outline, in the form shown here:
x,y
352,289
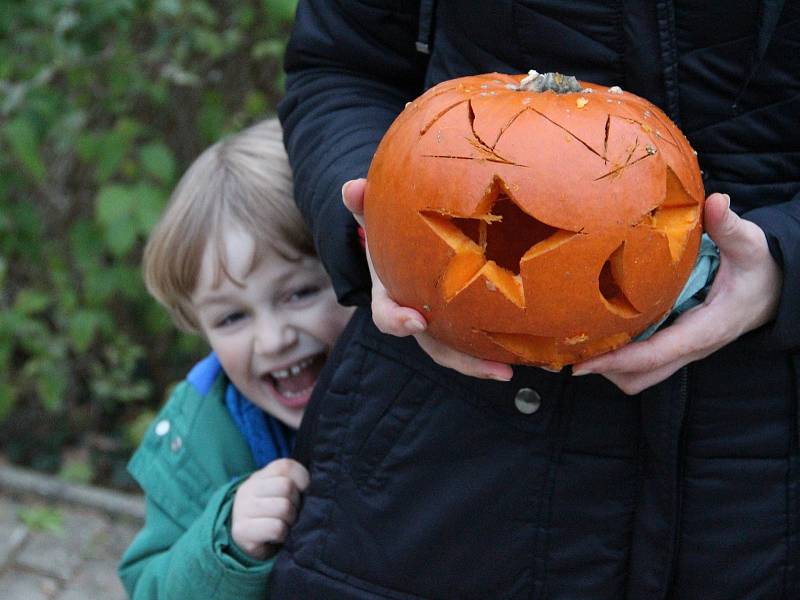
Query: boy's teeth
x,y
293,370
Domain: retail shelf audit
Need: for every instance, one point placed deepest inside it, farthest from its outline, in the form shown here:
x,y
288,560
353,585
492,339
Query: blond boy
x,y
232,260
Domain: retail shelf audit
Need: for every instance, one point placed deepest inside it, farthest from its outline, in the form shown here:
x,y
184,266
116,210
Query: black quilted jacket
x,y
426,484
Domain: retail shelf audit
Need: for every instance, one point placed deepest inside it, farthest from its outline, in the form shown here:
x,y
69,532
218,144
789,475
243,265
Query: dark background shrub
x,y
103,105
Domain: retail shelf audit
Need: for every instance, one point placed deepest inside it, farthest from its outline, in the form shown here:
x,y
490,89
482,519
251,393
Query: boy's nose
x,y
273,338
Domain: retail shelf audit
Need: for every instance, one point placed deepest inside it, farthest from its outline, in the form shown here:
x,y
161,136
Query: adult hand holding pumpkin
x,y
744,296
393,319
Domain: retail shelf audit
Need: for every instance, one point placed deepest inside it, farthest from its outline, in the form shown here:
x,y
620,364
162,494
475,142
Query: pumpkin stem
x,y
554,82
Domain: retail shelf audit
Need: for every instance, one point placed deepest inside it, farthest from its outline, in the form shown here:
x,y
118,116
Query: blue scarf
x,y
267,437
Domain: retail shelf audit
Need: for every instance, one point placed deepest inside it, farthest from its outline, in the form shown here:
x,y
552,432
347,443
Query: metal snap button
x,y
527,401
162,428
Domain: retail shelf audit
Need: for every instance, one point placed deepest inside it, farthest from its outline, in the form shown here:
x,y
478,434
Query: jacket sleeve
x,y
781,225
189,470
167,562
351,66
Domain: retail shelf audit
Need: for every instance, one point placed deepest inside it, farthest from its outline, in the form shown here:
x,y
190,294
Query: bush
x,y
103,104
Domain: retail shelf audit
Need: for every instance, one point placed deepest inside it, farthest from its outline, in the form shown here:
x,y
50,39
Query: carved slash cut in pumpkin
x,y
546,350
537,226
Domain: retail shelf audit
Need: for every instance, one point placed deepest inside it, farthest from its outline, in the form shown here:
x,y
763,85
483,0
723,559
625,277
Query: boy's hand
x,y
266,505
400,321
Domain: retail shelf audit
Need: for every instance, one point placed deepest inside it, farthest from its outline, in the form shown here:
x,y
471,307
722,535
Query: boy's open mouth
x,y
297,380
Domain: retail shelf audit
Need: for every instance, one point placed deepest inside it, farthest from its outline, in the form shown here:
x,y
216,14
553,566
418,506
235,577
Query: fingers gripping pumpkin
x,y
534,220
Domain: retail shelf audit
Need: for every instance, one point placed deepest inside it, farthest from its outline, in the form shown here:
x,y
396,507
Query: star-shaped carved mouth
x,y
492,242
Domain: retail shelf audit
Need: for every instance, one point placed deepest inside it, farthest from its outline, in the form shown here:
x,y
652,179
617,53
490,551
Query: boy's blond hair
x,y
243,180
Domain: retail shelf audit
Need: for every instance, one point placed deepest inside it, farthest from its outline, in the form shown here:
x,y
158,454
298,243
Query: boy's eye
x,y
303,293
230,319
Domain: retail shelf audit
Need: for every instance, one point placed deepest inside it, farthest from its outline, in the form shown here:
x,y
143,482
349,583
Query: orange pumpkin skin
x,y
529,227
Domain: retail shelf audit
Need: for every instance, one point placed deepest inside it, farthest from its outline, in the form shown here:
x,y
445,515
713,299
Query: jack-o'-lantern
x,y
534,220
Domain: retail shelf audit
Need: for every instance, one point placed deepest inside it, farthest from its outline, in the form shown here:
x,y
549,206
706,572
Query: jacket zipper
x,y
684,402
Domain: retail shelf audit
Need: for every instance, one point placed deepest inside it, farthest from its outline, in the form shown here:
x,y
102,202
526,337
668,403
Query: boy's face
x,y
273,333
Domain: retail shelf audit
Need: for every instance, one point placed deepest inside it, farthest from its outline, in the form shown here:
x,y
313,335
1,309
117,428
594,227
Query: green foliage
x,y
43,519
103,105
76,471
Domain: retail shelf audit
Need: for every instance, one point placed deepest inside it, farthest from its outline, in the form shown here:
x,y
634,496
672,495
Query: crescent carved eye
x,y
611,285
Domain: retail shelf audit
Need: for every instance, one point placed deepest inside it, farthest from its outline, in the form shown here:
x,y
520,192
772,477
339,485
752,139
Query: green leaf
x,y
121,236
279,83
24,141
32,334
120,280
76,471
267,49
51,384
148,209
47,370
99,283
106,150
85,240
114,203
87,145
212,117
281,10
116,206
255,103
209,42
30,302
203,12
27,227
157,160
134,431
244,16
110,150
43,518
83,326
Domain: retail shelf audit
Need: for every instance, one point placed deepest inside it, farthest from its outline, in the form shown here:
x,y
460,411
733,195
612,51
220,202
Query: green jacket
x,y
189,465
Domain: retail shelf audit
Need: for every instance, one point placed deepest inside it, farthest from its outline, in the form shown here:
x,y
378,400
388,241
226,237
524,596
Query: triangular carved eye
x,y
676,216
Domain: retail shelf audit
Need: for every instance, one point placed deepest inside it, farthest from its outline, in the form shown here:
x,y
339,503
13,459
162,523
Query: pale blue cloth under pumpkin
x,y
696,288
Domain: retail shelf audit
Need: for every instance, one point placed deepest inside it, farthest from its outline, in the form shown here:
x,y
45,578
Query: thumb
x,y
725,227
353,196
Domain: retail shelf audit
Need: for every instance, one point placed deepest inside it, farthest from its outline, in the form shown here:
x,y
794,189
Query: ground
x,y
69,553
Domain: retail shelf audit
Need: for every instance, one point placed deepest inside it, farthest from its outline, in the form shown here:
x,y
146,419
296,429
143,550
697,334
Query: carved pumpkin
x,y
533,227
